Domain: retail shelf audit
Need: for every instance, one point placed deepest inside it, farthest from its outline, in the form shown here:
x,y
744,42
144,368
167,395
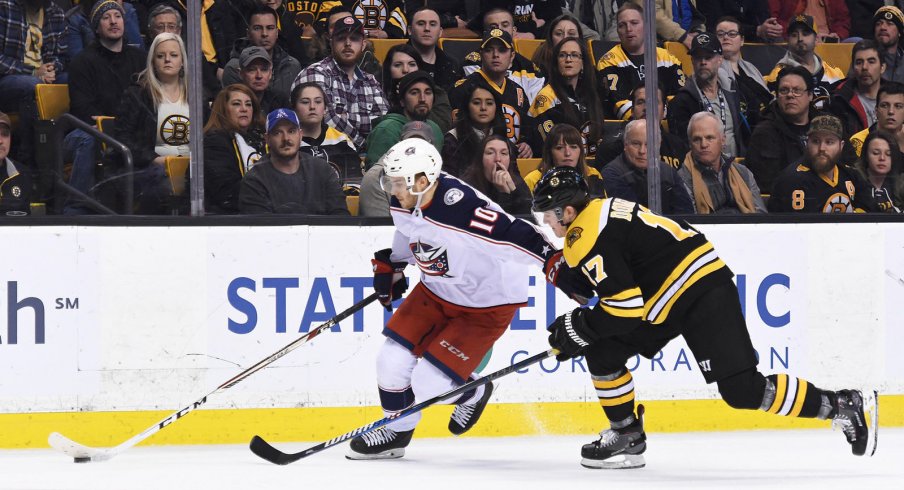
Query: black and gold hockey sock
x,y
616,394
790,396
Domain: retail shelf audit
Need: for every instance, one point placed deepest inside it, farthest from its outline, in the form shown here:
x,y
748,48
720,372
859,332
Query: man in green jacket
x,y
411,100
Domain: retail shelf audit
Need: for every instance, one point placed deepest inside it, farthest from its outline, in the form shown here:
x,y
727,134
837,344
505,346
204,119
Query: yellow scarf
x,y
704,203
206,41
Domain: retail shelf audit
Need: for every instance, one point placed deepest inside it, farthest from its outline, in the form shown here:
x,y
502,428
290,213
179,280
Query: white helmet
x,y
410,157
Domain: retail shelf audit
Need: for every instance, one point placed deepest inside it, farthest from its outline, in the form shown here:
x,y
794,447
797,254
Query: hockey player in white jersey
x,y
474,260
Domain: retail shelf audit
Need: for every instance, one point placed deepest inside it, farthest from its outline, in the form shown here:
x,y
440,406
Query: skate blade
x,y
388,454
619,462
871,407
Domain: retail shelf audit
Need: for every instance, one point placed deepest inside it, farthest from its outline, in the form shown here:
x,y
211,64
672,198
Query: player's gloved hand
x,y
571,334
389,282
569,280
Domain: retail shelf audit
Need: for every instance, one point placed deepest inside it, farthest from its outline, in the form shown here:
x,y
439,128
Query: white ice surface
x,y
726,460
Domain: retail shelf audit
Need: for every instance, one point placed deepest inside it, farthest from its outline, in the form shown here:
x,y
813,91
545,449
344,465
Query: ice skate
x,y
465,416
383,443
617,448
849,414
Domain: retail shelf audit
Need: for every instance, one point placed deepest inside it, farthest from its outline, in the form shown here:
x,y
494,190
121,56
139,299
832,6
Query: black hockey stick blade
x,y
266,451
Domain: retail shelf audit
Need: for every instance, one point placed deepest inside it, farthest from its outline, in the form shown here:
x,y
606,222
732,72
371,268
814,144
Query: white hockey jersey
x,y
470,252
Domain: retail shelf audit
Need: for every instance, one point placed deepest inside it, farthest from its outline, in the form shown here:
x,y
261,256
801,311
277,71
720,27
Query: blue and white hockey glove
x,y
569,280
571,334
389,282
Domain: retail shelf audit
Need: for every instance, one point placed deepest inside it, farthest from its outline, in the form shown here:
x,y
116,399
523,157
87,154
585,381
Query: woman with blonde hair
x,y
152,120
233,143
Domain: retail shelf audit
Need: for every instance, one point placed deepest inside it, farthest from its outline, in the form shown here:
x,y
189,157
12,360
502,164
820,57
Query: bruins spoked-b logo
x,y
174,131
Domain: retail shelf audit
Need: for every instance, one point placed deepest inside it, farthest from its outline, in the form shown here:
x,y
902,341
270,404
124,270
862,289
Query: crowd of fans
x,y
299,109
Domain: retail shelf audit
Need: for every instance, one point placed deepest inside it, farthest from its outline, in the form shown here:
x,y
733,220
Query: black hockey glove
x,y
569,280
571,334
389,282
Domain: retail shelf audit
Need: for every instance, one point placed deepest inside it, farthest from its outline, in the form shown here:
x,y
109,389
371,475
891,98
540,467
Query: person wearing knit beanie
x,y
102,7
888,24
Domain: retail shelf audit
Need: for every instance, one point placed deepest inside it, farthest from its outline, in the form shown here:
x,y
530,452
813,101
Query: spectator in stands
x,y
739,76
677,20
385,19
477,118
619,70
354,98
597,19
15,182
320,140
494,172
717,184
781,138
263,32
374,199
565,25
319,46
163,18
424,31
802,42
703,92
453,14
233,143
412,101
497,52
286,181
626,176
888,25
80,31
890,118
863,17
854,101
256,73
152,120
752,18
296,25
831,20
403,59
570,96
98,78
820,183
881,165
672,148
564,146
520,69
532,16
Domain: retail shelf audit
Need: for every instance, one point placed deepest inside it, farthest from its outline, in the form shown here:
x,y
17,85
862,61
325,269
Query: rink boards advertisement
x,y
99,319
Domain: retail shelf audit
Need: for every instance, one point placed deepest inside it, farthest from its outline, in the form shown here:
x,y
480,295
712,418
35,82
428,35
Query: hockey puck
x,y
82,460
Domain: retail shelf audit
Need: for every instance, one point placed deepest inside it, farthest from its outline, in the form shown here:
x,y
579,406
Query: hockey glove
x,y
389,282
569,280
571,334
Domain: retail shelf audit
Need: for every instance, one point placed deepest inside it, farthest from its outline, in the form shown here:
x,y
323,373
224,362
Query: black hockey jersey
x,y
798,189
643,266
547,112
303,13
513,100
523,72
386,15
618,76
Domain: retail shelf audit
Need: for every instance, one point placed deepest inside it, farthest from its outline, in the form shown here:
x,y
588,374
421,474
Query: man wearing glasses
x,y
738,75
781,138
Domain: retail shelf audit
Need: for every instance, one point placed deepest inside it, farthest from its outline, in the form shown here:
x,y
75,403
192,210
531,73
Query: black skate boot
x,y
465,416
617,448
848,413
383,443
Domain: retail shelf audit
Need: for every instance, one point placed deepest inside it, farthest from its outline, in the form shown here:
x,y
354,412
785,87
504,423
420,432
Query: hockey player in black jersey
x,y
657,279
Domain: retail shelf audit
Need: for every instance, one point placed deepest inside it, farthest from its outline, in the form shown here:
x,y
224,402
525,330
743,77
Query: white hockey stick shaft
x,y
82,452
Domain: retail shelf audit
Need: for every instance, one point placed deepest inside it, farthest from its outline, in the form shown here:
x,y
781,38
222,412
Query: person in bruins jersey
x,y
657,279
570,97
382,19
620,70
498,49
820,184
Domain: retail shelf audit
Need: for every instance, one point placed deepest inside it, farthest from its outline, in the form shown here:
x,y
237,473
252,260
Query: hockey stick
x,y
263,449
84,454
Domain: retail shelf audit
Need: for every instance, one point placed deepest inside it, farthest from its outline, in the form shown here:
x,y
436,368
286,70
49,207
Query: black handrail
x,y
116,146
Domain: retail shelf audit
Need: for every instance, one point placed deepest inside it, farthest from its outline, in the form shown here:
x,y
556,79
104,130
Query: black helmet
x,y
560,187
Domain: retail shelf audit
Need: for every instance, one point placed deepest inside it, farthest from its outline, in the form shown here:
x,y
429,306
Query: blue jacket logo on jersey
x,y
434,261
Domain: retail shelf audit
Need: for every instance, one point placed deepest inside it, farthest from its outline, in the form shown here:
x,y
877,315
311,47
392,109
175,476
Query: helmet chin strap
x,y
420,197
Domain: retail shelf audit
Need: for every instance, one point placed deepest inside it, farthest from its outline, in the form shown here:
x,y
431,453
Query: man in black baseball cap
x,y
704,93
